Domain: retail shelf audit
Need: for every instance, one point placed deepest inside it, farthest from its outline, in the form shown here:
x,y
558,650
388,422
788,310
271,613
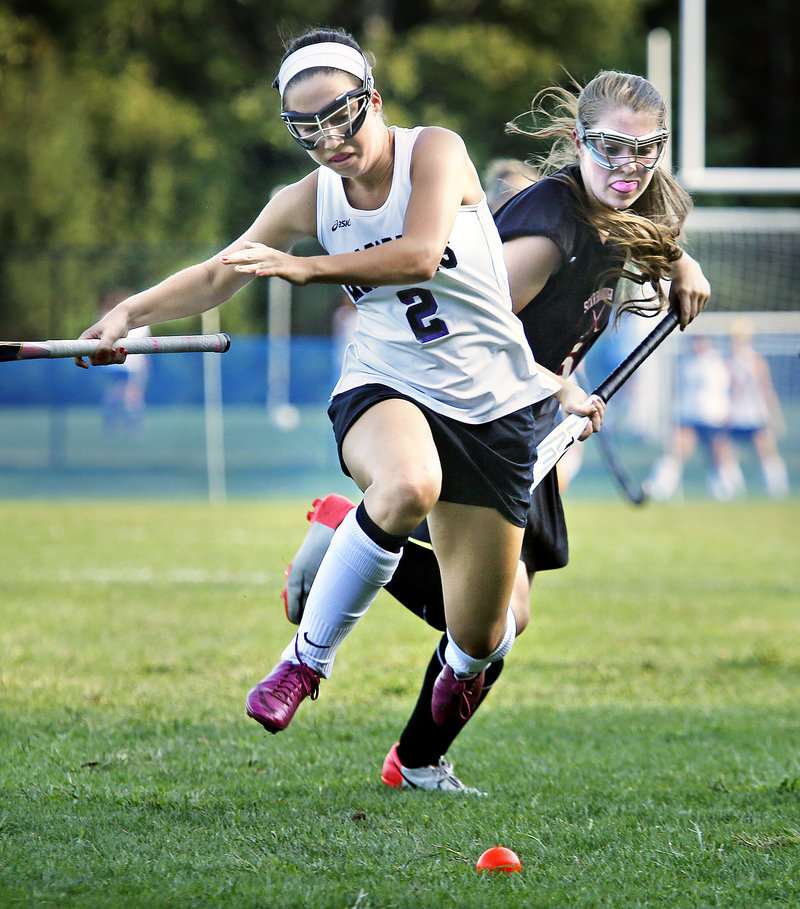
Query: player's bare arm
x,y
530,262
442,177
287,217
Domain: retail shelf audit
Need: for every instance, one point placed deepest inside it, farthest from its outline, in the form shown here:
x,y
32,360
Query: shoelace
x,y
446,769
300,676
465,707
308,678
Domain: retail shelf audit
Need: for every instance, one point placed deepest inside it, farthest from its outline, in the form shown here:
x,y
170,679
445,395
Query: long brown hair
x,y
650,231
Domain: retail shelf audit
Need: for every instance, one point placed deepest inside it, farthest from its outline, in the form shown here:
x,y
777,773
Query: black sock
x,y
388,541
423,742
417,584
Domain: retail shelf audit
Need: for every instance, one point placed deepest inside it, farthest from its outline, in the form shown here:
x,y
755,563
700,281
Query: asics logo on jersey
x,y
337,224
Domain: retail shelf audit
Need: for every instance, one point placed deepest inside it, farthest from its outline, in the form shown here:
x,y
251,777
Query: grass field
x,y
640,750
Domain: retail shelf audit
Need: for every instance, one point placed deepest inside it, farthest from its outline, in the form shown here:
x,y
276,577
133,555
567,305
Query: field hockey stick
x,y
624,482
553,446
37,350
632,490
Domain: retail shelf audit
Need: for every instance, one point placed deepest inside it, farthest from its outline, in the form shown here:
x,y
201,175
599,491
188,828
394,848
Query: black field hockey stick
x,y
553,446
37,350
630,488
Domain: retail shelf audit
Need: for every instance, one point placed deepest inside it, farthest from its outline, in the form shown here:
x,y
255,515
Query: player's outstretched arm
x,y
200,287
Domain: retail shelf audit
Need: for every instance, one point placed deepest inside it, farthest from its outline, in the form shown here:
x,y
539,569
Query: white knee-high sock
x,y
776,477
463,664
352,572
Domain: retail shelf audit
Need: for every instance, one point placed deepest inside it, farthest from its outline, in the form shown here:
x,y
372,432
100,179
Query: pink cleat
x,y
454,699
274,701
330,511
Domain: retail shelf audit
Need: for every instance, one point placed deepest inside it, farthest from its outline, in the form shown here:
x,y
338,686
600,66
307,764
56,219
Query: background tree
x,y
140,134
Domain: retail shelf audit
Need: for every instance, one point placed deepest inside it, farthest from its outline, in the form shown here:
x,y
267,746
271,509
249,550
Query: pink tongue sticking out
x,y
624,186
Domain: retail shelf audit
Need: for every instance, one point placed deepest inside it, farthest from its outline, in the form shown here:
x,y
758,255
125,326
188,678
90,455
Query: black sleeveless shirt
x,y
569,313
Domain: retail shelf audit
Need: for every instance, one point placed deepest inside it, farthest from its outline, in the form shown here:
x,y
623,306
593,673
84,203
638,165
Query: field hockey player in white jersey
x,y
433,413
433,410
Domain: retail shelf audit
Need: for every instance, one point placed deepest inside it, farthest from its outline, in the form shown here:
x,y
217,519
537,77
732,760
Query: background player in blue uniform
x,y
603,209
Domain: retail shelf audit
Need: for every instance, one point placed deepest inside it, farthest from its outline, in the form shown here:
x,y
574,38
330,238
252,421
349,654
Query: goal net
x,y
750,256
752,260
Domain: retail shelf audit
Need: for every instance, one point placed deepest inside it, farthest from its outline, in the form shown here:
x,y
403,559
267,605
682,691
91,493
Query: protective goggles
x,y
341,119
612,150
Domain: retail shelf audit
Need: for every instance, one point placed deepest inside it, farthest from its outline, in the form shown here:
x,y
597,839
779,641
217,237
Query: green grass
x,y
640,750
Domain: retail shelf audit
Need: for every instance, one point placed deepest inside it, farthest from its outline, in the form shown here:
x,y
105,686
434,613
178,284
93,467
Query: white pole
x,y
692,170
279,336
659,72
214,424
654,375
279,328
693,87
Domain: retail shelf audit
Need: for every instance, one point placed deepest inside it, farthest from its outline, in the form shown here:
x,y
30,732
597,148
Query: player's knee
x,y
414,497
480,641
403,501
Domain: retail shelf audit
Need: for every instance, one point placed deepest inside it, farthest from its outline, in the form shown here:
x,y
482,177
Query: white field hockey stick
x,y
37,350
553,446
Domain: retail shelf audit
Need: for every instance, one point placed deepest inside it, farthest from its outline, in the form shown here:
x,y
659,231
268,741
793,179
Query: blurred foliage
x,y
140,136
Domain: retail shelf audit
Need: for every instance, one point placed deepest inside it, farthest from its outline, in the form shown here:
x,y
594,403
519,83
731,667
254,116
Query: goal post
x,y
213,415
692,170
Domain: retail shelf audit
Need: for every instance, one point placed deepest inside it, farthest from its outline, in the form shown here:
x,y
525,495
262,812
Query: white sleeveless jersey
x,y
704,390
451,343
749,409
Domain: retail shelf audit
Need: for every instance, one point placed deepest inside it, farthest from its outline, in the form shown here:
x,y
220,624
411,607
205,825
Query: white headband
x,y
331,54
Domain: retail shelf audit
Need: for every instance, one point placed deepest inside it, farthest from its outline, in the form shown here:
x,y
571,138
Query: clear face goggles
x,y
611,150
341,119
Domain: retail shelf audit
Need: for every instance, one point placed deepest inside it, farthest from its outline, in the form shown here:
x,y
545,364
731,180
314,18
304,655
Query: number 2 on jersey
x,y
421,312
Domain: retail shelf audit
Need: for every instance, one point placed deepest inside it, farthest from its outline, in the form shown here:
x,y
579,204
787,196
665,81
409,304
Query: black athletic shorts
x,y
488,464
545,545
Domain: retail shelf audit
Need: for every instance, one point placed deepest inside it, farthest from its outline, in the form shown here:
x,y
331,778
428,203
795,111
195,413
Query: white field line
x,y
145,575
